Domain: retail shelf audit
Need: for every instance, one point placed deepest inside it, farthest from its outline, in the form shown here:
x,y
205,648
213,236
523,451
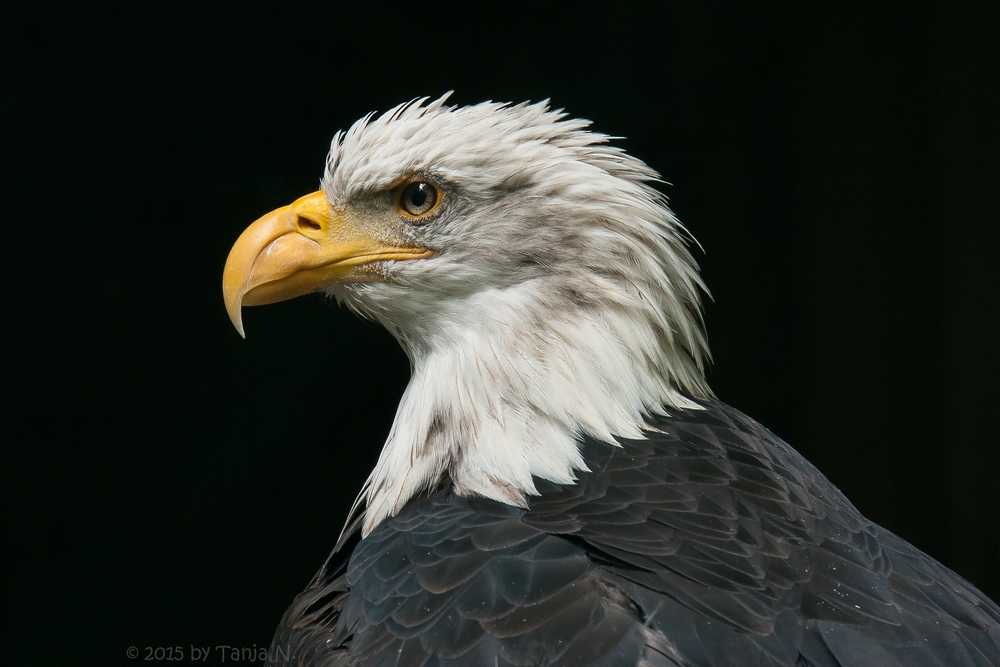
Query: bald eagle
x,y
560,486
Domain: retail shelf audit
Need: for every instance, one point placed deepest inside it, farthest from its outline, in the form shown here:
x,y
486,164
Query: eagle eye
x,y
418,198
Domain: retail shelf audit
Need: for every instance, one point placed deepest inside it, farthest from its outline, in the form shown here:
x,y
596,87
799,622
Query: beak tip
x,y
237,320
234,307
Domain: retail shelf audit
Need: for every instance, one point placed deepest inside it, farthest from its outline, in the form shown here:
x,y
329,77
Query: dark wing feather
x,y
308,633
709,543
468,583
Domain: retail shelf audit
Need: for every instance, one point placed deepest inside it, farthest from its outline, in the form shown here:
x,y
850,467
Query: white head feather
x,y
561,298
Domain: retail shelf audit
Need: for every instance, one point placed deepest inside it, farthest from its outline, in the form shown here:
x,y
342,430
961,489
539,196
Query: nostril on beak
x,y
307,225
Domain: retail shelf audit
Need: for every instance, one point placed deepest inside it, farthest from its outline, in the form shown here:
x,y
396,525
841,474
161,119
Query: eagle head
x,y
540,286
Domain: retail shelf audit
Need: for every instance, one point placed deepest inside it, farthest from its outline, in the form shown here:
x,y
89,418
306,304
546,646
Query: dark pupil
x,y
418,195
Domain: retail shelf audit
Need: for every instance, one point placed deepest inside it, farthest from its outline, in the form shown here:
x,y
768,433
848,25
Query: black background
x,y
167,483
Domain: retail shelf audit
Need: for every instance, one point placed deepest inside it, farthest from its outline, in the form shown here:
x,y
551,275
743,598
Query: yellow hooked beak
x,y
302,248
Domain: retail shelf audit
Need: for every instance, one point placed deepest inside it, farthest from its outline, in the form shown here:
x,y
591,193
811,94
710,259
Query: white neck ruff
x,y
502,393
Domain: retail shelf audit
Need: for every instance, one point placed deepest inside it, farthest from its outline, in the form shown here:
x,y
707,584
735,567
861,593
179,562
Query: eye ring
x,y
418,199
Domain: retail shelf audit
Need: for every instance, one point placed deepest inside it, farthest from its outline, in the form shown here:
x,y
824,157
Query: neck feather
x,y
502,394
